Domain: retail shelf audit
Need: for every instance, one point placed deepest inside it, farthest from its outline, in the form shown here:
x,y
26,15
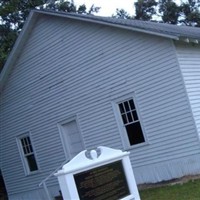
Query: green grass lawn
x,y
186,191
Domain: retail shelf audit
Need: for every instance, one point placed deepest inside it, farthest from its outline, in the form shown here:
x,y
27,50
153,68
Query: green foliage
x,y
165,11
122,14
191,13
169,11
187,13
13,13
64,6
8,37
145,9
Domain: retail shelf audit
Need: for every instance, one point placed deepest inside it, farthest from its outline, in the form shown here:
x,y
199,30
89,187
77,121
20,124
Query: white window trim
x,y
59,125
120,124
23,159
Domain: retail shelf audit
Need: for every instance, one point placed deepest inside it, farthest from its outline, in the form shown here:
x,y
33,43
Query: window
x,y
27,154
129,123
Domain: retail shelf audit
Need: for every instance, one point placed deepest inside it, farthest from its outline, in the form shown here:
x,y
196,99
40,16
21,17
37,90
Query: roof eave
x,y
189,40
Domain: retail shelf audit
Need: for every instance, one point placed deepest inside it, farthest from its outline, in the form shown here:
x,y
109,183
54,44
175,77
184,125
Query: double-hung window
x,y
27,154
129,122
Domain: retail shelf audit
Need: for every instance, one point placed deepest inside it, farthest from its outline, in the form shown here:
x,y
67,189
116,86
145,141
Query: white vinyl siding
x,y
189,60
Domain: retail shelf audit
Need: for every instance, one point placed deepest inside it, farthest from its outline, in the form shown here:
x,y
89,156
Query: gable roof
x,y
155,28
189,34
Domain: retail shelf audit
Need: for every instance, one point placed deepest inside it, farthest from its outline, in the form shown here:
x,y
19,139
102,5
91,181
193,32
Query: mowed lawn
x,y
185,191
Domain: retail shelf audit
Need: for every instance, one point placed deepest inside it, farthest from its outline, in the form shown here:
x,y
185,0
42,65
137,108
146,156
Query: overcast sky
x,y
108,7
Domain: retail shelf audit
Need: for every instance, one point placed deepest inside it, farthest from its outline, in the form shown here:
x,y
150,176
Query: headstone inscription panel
x,y
104,182
99,174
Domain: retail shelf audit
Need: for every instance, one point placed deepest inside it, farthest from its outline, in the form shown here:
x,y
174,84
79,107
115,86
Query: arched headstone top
x,y
90,158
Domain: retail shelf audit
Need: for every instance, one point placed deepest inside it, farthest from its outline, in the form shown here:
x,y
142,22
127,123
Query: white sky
x,y
108,7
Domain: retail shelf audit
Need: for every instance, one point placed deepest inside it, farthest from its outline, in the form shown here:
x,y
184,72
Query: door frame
x,y
61,133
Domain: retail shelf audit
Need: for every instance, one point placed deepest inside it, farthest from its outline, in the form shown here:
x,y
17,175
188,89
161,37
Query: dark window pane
x,y
31,149
22,141
28,140
135,115
32,163
23,146
135,134
132,104
24,149
124,119
25,141
28,149
130,119
126,106
121,107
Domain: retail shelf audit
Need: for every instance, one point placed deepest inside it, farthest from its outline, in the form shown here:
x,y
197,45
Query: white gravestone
x,y
99,174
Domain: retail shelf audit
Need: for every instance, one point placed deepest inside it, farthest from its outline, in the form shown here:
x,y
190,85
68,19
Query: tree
x,y
145,9
7,39
190,13
170,11
122,14
13,14
187,13
165,11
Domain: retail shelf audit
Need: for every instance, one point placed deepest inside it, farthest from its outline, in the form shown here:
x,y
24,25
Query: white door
x,y
71,138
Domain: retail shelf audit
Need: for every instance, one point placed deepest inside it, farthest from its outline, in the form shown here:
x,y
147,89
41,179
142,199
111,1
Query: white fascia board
x,y
16,50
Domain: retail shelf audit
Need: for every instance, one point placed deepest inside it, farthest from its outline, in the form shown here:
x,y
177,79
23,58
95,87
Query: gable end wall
x,y
70,68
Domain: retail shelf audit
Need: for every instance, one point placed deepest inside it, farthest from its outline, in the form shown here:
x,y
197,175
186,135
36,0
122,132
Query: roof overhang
x,y
189,40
